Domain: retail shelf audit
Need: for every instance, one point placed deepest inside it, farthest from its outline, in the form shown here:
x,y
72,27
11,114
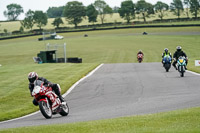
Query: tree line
x,y
74,12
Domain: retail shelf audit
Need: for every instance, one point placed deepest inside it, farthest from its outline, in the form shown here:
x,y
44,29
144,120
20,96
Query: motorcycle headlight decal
x,y
181,60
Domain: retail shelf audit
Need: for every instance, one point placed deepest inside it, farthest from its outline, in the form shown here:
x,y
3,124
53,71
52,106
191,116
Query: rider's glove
x,y
50,85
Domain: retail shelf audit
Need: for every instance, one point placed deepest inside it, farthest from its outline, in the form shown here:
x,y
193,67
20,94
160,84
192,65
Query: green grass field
x,y
110,46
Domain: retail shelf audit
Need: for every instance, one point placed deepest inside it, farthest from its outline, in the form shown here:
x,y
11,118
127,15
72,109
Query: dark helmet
x,y
32,76
178,48
166,50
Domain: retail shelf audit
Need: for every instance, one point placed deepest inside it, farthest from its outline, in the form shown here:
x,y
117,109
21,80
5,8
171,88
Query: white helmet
x,y
32,76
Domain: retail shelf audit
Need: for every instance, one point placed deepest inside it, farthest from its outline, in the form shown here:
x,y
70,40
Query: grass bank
x,y
180,121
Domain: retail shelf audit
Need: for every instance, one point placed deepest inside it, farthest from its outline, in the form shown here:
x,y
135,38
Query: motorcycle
x,y
167,60
140,58
181,65
48,101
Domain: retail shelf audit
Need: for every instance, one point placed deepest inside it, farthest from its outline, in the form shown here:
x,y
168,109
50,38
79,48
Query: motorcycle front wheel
x,y
45,109
182,72
139,60
167,66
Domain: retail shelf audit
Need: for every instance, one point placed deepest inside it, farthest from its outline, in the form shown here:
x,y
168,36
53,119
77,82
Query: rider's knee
x,y
35,102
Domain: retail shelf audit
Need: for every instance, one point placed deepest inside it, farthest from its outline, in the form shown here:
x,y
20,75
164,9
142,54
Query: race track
x,y
117,90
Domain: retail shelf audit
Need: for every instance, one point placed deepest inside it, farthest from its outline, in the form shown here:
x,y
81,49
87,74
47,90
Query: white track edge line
x,y
193,72
88,75
69,90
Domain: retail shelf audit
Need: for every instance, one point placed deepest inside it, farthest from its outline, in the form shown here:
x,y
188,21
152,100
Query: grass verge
x,y
180,121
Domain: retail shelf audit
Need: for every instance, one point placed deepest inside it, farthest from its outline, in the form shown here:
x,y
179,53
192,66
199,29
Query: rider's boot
x,y
185,67
61,98
57,91
174,66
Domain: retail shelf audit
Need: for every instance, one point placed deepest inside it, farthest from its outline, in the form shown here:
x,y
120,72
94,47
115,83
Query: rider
x,y
177,54
140,52
32,76
166,52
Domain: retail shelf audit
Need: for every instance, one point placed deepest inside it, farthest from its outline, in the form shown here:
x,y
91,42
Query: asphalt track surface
x,y
117,90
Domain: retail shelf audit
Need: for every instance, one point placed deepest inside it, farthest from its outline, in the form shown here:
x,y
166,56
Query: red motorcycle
x,y
140,58
48,101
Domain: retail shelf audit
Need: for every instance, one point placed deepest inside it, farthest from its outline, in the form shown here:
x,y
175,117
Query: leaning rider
x,y
32,76
166,52
177,54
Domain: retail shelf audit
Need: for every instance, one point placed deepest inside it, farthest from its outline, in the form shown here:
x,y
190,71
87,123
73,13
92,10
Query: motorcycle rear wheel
x,y
45,109
64,110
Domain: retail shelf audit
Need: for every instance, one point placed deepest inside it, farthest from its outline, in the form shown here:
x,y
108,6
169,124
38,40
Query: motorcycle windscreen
x,y
38,83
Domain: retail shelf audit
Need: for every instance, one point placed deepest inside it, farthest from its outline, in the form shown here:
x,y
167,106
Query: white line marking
x,y
69,90
193,72
74,85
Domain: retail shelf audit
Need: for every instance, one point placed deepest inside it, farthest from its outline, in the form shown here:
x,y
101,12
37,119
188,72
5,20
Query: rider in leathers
x,y
177,54
32,76
166,52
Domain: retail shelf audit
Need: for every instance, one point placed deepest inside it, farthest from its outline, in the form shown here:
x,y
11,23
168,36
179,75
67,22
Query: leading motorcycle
x,y
140,58
181,65
167,60
48,101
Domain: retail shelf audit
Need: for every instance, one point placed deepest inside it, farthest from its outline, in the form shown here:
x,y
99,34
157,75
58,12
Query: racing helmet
x,y
178,48
32,76
166,50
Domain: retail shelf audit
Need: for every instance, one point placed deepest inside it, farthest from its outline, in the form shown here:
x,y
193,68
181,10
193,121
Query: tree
x,y
13,11
177,7
28,21
74,12
40,19
145,8
127,10
116,9
92,13
55,12
187,3
194,7
161,7
102,9
21,29
57,22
